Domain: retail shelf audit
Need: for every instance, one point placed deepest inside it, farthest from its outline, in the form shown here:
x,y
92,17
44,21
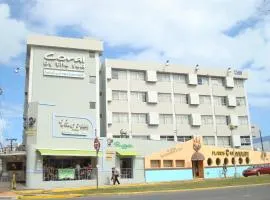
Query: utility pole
x,y
11,142
261,140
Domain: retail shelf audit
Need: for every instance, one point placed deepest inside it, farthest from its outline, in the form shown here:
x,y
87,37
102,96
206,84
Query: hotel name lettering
x,y
63,62
230,153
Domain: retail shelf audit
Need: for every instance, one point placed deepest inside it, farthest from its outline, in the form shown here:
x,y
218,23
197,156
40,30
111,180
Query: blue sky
x,y
210,33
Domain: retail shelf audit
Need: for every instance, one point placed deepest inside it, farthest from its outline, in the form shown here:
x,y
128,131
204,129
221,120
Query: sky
x,y
211,33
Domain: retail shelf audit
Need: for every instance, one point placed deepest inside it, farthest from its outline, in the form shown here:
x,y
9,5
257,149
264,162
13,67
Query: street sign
x,y
96,144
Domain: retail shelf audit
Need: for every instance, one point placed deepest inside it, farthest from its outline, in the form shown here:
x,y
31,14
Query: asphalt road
x,y
239,193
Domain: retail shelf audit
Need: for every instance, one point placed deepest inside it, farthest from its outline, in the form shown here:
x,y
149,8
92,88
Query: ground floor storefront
x,y
136,161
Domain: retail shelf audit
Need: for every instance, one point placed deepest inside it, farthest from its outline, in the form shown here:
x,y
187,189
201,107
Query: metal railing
x,y
126,173
66,174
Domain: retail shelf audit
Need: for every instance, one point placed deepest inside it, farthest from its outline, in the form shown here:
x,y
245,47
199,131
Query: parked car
x,y
257,170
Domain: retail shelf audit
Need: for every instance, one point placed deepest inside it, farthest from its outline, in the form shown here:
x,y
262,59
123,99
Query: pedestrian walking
x,y
115,175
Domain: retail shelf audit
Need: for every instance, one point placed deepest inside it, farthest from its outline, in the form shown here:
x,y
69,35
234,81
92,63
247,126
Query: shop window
x,y
167,163
12,166
247,160
233,161
155,163
226,161
179,163
240,160
209,162
68,168
218,161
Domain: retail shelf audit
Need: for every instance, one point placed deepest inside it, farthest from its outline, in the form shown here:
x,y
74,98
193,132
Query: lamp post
x,y
232,127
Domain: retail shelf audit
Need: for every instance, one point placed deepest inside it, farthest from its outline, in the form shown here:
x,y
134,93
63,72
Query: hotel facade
x,y
174,103
154,122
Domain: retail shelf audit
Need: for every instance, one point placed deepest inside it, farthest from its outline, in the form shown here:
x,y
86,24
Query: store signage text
x,y
63,66
73,126
122,146
227,152
171,151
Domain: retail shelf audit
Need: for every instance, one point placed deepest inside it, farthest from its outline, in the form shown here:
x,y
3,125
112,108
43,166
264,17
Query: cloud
x,y
185,32
12,35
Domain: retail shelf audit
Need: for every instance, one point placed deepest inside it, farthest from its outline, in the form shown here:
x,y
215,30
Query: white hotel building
x,y
174,103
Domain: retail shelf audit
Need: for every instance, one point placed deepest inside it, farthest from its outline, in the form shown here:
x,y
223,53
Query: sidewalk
x,y
209,184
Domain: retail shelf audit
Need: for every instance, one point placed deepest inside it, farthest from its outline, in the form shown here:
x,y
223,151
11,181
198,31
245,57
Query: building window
x,y
226,161
245,141
217,81
233,161
243,120
207,119
203,80
92,105
182,119
138,96
240,160
239,83
181,98
137,75
224,141
218,161
184,138
139,118
155,163
119,95
209,162
240,101
163,77
204,99
92,79
165,119
180,78
221,120
167,137
220,101
164,97
167,163
141,137
119,74
120,117
126,168
209,140
179,163
247,160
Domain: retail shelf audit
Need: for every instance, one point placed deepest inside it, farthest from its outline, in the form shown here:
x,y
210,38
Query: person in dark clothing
x,y
115,175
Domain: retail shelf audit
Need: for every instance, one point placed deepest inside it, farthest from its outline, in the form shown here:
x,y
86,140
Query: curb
x,y
134,193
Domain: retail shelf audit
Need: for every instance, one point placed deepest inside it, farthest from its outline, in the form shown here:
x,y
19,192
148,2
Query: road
x,y
238,193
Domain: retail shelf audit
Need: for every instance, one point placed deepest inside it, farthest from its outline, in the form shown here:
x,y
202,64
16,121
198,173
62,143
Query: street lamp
x,y
232,127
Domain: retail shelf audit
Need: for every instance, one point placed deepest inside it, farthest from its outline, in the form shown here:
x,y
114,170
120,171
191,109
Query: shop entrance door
x,y
126,167
197,169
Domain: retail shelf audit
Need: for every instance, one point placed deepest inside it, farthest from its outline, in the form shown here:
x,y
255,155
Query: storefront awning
x,y
197,156
57,152
126,153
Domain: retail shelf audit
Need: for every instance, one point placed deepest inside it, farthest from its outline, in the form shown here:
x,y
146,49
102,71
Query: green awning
x,y
126,153
57,152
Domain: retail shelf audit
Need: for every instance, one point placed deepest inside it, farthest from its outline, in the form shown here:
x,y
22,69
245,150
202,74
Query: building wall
x,y
173,108
62,79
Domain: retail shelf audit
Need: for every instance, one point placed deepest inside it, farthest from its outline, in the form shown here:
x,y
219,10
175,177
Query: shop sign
x,y
171,151
73,126
227,152
63,66
122,146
